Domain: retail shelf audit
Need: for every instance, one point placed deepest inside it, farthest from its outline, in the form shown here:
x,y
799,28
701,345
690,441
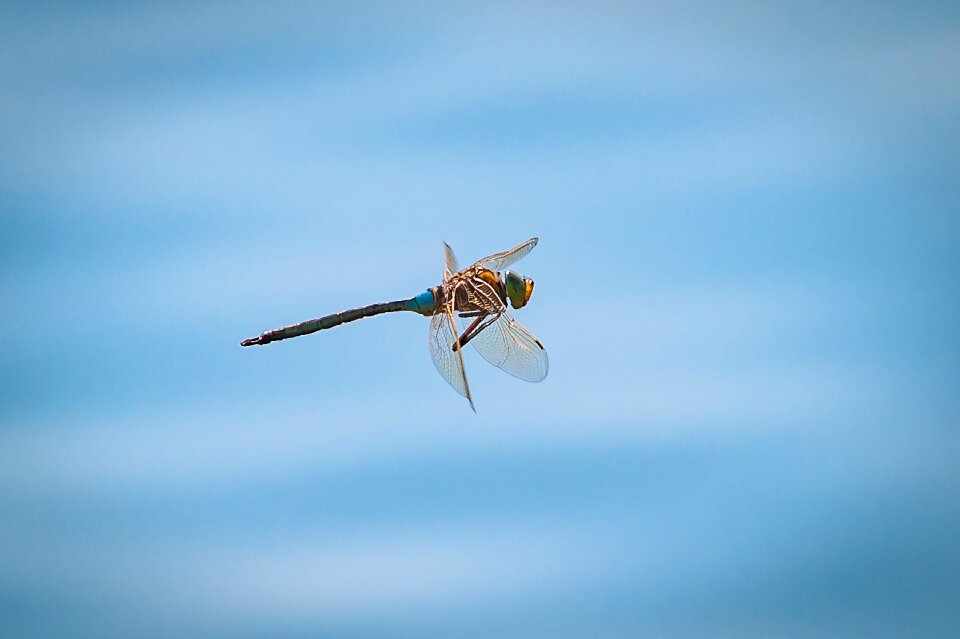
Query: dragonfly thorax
x,y
480,290
477,290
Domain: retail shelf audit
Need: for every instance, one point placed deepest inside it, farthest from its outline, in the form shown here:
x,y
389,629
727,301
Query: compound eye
x,y
516,289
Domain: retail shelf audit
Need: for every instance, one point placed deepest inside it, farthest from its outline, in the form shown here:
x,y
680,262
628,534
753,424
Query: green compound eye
x,y
519,289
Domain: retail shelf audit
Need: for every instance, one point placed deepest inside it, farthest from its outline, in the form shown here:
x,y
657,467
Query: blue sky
x,y
746,282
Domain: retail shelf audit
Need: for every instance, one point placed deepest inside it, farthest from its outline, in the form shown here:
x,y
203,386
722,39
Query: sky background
x,y
747,283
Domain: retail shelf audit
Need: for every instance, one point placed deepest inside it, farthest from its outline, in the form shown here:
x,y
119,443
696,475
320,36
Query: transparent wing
x,y
500,261
443,335
512,348
449,262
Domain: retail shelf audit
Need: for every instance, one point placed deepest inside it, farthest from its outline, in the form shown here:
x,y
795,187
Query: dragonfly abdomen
x,y
423,304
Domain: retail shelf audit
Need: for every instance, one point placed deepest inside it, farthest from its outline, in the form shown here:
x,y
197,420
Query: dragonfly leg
x,y
475,328
464,338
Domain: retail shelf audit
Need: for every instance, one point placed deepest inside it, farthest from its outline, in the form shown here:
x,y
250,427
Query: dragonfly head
x,y
519,288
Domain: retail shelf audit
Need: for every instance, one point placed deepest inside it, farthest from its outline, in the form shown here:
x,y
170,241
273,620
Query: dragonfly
x,y
470,306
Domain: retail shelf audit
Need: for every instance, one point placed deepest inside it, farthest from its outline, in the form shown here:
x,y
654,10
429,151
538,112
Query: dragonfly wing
x,y
449,362
512,348
449,262
500,261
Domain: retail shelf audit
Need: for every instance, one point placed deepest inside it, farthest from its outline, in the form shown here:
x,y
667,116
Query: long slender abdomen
x,y
418,304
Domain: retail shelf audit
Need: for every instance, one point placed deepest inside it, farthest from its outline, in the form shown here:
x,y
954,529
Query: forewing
x,y
449,362
449,262
512,348
500,261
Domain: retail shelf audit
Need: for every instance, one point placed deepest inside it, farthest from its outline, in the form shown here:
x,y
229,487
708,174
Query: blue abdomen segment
x,y
425,303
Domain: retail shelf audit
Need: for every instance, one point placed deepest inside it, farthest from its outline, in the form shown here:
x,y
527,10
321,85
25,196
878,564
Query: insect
x,y
478,297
